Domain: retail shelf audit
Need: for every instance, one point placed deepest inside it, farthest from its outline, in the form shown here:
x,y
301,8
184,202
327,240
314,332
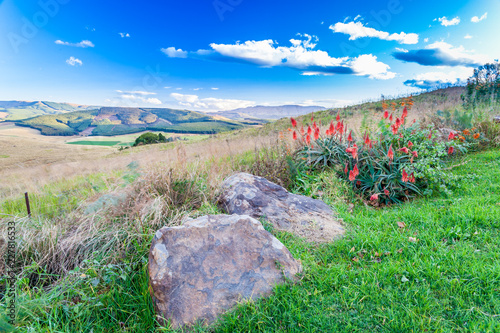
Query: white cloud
x,y
445,22
171,52
357,17
436,79
443,54
302,56
196,89
401,50
83,43
426,40
357,30
124,34
72,61
210,104
214,88
137,97
476,19
167,87
136,92
153,101
467,36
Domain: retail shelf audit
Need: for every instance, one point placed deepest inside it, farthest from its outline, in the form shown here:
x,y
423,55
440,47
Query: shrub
x,y
149,138
397,163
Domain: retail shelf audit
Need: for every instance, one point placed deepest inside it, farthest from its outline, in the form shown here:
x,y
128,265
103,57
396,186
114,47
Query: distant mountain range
x,y
268,112
16,110
73,119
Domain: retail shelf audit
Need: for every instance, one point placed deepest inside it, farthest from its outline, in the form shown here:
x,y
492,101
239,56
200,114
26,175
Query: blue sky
x,y
223,54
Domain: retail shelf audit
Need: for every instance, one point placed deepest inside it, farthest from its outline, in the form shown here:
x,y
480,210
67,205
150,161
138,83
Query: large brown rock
x,y
246,194
207,265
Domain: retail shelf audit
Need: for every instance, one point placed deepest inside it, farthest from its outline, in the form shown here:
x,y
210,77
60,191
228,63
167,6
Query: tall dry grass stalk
x,y
175,183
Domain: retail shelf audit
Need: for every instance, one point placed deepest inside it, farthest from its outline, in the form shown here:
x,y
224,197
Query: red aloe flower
x,y
294,122
410,144
294,135
327,132
312,116
308,139
451,136
390,118
390,153
374,197
430,134
316,134
404,150
398,122
371,144
309,130
358,183
352,177
405,112
367,140
414,153
338,117
346,170
386,114
450,150
405,176
302,130
355,170
412,178
395,129
349,138
386,191
314,125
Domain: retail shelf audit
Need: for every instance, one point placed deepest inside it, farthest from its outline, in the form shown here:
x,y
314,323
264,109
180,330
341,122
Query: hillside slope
x,y
268,112
110,121
17,110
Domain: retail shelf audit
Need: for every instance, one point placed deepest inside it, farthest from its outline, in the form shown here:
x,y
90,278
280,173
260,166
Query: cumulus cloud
x,y
445,22
213,88
72,61
136,92
301,56
443,54
436,79
124,34
83,43
136,97
357,30
171,52
209,104
476,19
467,36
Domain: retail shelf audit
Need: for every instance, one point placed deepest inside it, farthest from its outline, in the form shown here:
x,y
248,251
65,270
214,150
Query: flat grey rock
x,y
246,194
206,266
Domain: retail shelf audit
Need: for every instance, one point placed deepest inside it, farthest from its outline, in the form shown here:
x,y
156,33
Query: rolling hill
x,y
17,110
261,112
109,121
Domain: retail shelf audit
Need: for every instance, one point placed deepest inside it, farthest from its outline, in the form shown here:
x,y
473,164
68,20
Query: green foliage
x,y
483,87
150,138
403,162
456,120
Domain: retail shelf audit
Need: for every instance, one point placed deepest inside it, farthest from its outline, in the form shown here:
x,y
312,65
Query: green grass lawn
x,y
437,271
94,143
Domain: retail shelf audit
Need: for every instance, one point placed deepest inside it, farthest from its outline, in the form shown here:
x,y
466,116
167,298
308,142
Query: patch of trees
x,y
483,87
150,138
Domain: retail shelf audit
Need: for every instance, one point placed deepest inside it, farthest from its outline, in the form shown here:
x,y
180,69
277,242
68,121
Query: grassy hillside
x,y
430,264
110,121
18,110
